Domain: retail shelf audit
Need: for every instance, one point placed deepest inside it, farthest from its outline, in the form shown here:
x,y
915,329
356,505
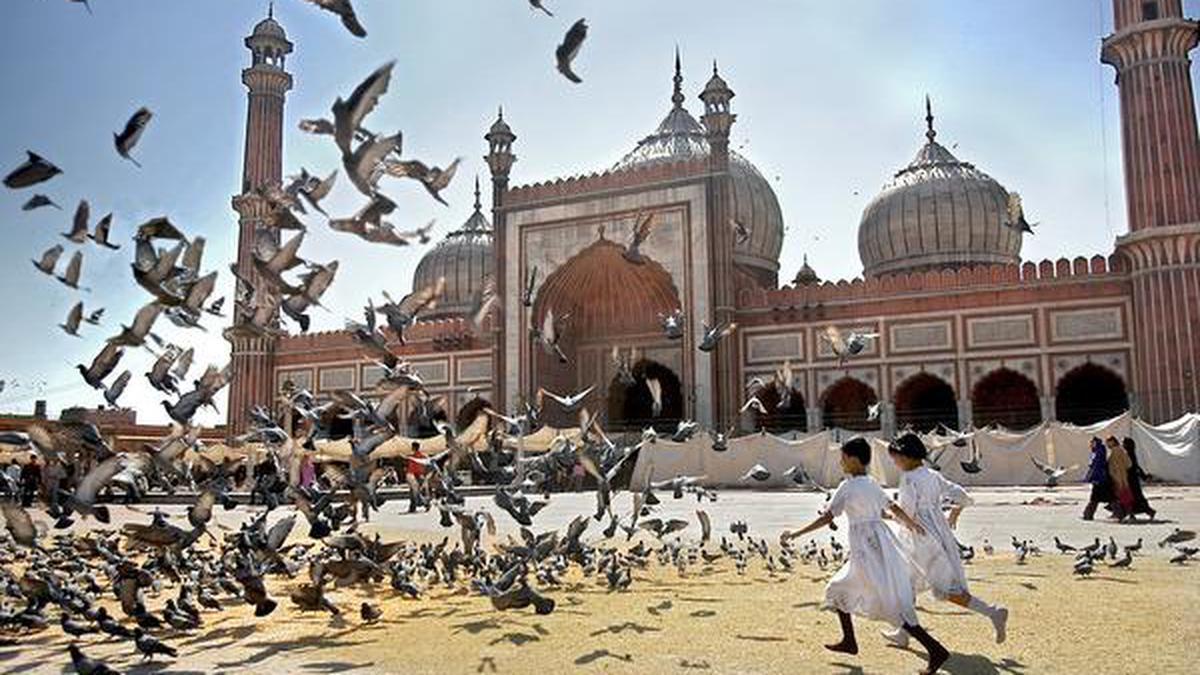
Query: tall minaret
x,y
1149,49
500,159
718,119
262,164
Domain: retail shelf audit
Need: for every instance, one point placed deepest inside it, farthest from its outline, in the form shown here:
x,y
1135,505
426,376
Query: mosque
x,y
969,334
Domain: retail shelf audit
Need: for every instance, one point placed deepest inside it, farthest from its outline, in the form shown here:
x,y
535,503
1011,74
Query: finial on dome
x,y
600,231
271,10
500,112
929,132
677,96
714,66
478,205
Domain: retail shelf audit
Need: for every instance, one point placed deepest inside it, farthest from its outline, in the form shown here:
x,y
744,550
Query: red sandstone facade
x,y
962,342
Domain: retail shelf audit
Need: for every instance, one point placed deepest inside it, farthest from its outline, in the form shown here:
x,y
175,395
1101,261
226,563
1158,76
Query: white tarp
x,y
1171,452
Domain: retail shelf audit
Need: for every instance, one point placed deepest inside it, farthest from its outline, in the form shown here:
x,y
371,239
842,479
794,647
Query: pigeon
x,y
757,472
32,171
370,613
49,260
87,666
70,276
741,233
100,234
79,224
348,115
753,404
432,178
846,346
705,526
684,430
569,403
1177,536
74,317
537,4
672,324
38,201
87,5
569,49
19,524
1052,473
873,411
114,391
132,133
94,316
102,365
1063,548
150,646
632,251
527,289
1016,215
345,12
713,335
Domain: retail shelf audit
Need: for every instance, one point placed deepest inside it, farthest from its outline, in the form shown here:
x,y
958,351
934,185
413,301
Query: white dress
x,y
875,580
936,556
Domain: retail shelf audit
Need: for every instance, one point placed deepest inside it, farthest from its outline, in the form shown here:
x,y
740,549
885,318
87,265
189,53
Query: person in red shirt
x,y
414,475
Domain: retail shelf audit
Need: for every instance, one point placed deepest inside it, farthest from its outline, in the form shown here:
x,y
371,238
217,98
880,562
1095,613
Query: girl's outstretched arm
x,y
902,516
820,521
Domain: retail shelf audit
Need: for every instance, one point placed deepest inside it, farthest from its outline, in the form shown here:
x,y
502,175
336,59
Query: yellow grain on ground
x,y
711,621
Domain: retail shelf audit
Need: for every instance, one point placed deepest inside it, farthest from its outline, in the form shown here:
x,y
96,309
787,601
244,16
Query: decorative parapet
x,y
980,277
444,334
617,179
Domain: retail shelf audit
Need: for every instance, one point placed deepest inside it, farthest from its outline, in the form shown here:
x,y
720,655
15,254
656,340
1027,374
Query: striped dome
x,y
937,212
607,295
464,258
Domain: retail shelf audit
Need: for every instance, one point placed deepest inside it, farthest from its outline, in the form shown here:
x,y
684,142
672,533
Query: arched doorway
x,y
792,417
845,404
631,406
1005,398
1090,393
606,301
923,402
469,411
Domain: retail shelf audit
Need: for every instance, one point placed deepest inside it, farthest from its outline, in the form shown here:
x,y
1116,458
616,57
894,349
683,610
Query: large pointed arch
x,y
1090,393
845,403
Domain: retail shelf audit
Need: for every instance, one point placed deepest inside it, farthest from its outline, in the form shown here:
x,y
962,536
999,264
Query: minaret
x,y
500,159
268,84
1149,49
1158,114
718,120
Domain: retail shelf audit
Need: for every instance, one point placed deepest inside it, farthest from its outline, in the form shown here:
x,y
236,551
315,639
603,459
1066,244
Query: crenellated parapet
x,y
438,335
617,179
981,277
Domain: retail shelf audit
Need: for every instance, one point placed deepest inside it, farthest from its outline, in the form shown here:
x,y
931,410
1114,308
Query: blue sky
x,y
829,104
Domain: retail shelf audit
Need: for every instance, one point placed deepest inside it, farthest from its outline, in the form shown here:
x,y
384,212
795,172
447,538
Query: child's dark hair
x,y
909,445
859,449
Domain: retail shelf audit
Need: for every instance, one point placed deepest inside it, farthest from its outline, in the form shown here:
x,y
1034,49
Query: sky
x,y
829,104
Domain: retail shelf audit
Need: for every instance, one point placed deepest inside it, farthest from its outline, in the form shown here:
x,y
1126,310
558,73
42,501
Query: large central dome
x,y
681,137
937,212
464,258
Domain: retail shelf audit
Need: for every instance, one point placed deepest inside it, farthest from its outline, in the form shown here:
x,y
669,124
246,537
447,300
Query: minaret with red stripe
x,y
267,83
1150,49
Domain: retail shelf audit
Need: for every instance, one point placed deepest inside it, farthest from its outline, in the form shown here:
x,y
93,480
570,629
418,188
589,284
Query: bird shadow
x,y
760,638
597,654
978,664
806,605
627,626
516,639
849,669
335,666
1115,580
703,614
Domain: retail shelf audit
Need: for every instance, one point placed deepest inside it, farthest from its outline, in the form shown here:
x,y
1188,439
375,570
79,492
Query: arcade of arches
x,y
1006,398
923,402
1088,394
845,404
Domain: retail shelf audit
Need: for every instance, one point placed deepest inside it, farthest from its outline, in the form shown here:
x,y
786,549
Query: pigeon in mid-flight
x,y
132,133
32,171
569,49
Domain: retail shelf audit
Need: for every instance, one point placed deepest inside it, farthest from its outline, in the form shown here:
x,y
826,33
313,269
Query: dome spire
x,y
677,96
929,132
271,10
478,206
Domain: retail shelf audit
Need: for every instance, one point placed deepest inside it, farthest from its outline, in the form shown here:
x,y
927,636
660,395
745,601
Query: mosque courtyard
x,y
711,619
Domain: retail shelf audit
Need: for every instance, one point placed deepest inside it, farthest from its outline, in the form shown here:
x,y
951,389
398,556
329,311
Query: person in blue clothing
x,y
1097,475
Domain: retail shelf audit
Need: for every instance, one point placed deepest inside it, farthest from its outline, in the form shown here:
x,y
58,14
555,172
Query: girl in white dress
x,y
937,562
875,580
